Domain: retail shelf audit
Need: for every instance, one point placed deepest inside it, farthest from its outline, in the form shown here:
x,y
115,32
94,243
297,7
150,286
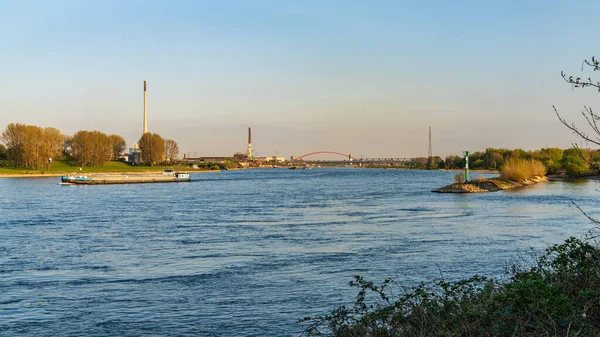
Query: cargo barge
x,y
103,179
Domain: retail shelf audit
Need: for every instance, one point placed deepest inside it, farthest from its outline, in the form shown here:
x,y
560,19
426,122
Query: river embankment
x,y
488,185
60,174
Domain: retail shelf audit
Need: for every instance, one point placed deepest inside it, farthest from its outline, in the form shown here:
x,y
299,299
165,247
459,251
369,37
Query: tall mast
x,y
249,144
430,153
145,111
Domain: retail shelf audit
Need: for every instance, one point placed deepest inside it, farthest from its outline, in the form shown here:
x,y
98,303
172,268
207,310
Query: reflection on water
x,y
249,252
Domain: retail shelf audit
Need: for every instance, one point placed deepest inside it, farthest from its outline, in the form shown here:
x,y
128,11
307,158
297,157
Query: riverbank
x,y
59,168
54,174
559,177
488,185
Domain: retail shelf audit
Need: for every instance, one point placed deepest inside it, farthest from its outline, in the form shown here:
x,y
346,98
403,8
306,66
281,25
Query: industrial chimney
x,y
145,112
249,144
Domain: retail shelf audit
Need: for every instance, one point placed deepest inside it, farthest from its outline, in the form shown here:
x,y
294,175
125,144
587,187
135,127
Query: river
x,y
247,253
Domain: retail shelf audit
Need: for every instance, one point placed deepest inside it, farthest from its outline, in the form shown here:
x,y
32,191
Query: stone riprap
x,y
487,185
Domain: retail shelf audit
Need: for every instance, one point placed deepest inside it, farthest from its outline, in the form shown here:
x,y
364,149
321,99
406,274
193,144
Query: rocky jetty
x,y
487,185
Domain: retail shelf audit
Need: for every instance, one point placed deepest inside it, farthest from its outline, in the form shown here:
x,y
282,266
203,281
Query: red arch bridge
x,y
349,158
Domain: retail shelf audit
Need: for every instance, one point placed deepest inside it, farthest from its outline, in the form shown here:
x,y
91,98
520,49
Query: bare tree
x,y
171,149
591,117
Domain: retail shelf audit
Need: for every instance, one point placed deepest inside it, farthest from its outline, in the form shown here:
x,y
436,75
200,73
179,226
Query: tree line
x,y
571,161
35,147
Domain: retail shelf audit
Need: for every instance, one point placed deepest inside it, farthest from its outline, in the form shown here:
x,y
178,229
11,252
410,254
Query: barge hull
x,y
107,182
106,179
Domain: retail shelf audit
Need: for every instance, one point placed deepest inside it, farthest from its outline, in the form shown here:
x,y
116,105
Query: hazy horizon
x,y
366,78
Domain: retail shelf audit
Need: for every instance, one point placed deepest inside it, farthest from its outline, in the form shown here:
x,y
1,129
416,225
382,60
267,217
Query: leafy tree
x,y
520,154
171,149
3,154
118,145
67,147
551,157
477,164
450,162
433,162
494,159
13,137
575,161
31,146
153,148
595,160
91,148
459,162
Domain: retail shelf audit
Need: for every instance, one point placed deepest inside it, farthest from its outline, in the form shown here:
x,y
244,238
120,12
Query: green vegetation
x,y
522,169
558,295
459,177
63,167
30,147
90,148
229,163
576,161
3,154
571,161
153,148
118,146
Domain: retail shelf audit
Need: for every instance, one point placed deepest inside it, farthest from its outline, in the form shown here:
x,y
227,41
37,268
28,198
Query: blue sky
x,y
360,77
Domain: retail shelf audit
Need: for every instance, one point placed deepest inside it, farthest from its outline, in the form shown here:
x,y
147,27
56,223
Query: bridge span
x,y
350,159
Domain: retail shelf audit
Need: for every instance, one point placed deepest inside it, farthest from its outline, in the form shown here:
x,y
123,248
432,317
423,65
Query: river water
x,y
247,253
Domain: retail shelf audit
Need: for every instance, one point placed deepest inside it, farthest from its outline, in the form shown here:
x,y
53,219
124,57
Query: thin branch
x,y
593,63
594,220
578,82
573,128
591,119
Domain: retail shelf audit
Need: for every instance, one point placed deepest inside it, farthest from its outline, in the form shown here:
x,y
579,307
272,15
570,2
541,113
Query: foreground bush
x,y
518,170
557,296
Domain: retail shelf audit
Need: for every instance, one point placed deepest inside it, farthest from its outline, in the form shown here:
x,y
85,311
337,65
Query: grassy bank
x,y
59,167
558,295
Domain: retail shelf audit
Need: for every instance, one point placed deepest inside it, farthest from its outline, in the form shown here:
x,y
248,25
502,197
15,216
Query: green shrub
x,y
521,169
559,295
575,161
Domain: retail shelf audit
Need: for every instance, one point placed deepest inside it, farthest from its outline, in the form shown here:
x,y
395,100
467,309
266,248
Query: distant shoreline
x,y
60,174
